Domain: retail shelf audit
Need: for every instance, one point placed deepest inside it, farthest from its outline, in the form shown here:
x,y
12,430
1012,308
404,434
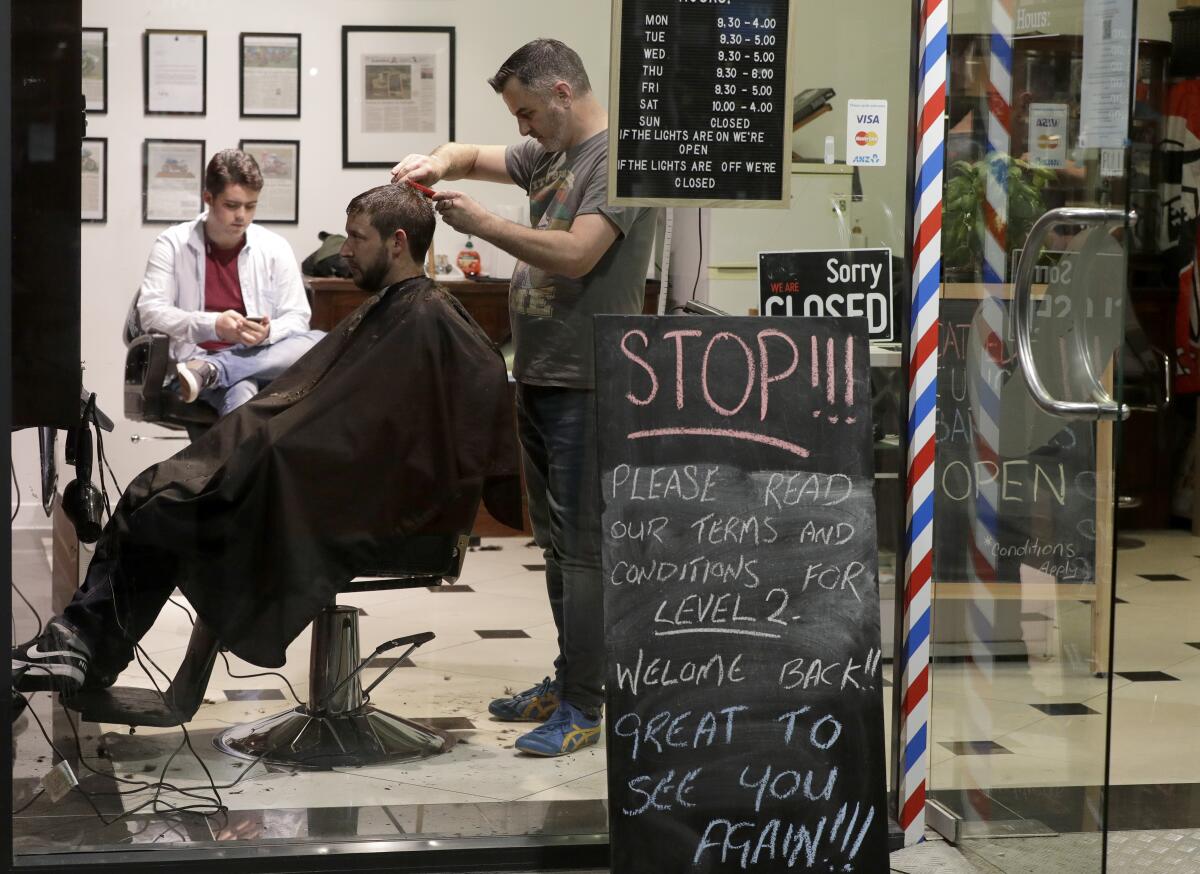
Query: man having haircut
x,y
227,292
579,258
389,427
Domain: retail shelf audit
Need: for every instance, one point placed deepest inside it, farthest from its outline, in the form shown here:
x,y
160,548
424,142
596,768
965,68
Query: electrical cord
x,y
229,670
208,805
16,489
35,613
103,455
28,804
212,806
142,657
91,407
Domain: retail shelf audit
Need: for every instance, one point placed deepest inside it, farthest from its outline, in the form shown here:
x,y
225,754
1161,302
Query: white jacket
x,y
171,299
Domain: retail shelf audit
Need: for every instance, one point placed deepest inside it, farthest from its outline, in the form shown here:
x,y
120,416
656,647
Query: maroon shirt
x,y
222,286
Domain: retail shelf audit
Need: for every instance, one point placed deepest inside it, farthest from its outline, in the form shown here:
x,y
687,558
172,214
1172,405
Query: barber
x,y
227,292
579,257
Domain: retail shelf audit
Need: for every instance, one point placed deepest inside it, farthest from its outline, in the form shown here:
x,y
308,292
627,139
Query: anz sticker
x,y
866,133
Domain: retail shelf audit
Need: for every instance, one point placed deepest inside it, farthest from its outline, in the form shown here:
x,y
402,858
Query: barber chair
x,y
337,727
148,371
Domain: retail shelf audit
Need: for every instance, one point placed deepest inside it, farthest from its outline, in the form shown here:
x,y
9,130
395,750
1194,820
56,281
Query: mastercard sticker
x,y
866,133
1049,127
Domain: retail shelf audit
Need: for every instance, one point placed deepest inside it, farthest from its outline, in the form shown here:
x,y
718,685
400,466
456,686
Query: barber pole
x,y
985,385
922,409
988,328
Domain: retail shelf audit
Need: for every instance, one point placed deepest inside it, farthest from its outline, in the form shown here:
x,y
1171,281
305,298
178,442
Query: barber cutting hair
x,y
578,258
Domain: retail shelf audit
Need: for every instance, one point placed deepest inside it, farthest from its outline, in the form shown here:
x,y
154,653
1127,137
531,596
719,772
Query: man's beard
x,y
554,137
372,275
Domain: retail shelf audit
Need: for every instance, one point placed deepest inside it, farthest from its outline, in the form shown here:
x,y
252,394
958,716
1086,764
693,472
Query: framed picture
x,y
279,161
269,83
174,67
172,179
93,179
95,70
397,92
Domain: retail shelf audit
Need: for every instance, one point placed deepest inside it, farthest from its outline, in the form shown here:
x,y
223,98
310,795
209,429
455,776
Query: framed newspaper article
x,y
172,178
95,70
269,76
174,71
279,162
93,179
397,92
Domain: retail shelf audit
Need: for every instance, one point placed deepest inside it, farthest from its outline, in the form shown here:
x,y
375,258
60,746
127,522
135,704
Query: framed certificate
x,y
95,70
279,161
174,66
172,179
397,92
93,179
269,78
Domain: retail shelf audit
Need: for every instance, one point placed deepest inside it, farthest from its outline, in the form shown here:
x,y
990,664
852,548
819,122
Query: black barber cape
x,y
391,425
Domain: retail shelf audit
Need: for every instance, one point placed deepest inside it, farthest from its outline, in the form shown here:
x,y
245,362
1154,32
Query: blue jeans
x,y
243,370
558,442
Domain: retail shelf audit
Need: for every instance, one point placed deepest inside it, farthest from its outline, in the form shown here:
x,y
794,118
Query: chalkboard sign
x,y
829,282
744,714
700,102
1046,492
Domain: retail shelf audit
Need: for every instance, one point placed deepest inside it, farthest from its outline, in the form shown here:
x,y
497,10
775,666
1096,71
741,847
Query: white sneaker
x,y
195,375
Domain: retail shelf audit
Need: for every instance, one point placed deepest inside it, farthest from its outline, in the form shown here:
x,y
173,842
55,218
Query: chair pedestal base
x,y
365,736
337,728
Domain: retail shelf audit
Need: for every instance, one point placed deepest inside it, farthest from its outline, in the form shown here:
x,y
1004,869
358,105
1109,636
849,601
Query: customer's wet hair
x,y
232,167
539,64
391,207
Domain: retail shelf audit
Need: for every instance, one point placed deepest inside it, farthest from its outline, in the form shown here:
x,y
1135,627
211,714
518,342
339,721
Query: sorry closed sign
x,y
843,283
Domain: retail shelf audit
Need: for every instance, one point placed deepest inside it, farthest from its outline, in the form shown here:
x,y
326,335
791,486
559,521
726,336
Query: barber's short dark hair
x,y
398,207
232,167
539,64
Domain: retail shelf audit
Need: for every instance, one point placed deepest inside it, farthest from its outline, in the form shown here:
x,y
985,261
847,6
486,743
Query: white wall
x,y
859,47
114,254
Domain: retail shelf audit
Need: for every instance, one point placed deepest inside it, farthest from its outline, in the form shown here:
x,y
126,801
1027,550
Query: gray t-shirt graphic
x,y
551,315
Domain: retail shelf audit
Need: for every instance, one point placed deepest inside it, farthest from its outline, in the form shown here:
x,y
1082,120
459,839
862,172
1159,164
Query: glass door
x,y
1036,240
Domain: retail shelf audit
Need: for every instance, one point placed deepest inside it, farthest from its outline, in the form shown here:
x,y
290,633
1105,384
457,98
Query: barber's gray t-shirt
x,y
551,315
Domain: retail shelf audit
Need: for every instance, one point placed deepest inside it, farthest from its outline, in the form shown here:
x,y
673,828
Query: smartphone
x,y
258,320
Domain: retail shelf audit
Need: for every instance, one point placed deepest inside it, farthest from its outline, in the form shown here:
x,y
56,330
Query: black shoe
x,y
195,375
57,661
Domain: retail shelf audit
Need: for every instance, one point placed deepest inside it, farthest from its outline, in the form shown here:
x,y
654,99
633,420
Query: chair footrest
x,y
127,705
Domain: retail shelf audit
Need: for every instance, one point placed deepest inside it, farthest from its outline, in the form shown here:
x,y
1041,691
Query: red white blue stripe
x,y
988,323
922,409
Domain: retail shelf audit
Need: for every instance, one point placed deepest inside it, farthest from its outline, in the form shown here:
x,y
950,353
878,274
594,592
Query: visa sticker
x,y
866,133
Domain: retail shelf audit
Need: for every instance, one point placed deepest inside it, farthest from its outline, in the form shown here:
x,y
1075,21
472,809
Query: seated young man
x,y
389,427
227,292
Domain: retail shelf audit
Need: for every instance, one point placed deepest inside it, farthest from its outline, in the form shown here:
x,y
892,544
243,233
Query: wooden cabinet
x,y
486,300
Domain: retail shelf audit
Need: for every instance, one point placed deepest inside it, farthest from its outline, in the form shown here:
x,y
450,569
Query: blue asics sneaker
x,y
533,705
568,730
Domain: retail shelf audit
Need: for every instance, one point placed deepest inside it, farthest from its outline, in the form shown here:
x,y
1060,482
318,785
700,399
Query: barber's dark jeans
x,y
118,602
558,439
